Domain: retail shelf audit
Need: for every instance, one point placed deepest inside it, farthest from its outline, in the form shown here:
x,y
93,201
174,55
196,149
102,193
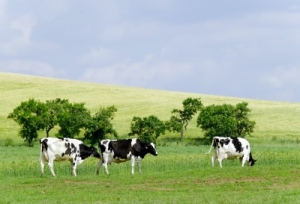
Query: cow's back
x,y
121,148
59,148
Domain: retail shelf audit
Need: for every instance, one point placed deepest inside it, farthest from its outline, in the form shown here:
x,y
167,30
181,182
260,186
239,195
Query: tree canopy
x,y
30,116
99,126
71,118
148,129
225,120
180,118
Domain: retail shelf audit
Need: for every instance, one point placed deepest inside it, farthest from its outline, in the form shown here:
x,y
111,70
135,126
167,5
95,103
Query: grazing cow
x,y
123,150
231,148
56,149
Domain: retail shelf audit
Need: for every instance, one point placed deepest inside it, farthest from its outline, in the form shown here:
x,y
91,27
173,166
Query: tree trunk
x,y
182,134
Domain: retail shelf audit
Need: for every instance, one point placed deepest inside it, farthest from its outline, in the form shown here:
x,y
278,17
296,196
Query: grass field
x,y
181,173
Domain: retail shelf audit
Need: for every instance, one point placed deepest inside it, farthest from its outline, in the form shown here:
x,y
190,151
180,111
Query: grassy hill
x,y
274,120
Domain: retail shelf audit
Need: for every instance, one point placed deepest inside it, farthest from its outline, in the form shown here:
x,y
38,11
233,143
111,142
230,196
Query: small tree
x,y
71,118
181,118
225,120
100,125
148,129
30,116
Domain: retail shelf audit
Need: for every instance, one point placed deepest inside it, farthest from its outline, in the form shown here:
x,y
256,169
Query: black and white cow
x,y
231,148
124,150
64,149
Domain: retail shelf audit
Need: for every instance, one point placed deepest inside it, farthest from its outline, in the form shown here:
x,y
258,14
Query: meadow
x,y
181,173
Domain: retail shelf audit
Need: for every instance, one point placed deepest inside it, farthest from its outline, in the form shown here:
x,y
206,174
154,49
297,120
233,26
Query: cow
x,y
118,151
231,148
64,149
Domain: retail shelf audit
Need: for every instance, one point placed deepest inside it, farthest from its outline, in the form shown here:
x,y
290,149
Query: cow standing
x,y
231,148
65,149
124,150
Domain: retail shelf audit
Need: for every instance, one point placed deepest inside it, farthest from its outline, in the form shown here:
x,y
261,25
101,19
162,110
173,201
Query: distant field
x,y
273,119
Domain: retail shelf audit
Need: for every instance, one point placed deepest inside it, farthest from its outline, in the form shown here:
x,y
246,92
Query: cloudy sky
x,y
237,48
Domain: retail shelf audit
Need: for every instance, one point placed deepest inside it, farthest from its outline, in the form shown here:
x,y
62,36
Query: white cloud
x,y
24,24
143,73
96,55
2,9
28,67
16,44
283,78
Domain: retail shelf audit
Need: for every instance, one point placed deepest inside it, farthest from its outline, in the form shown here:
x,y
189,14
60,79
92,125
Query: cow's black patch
x,y
44,144
68,150
237,144
105,141
86,152
121,148
224,141
215,143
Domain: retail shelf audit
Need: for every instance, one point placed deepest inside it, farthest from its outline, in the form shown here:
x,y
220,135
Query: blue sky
x,y
245,49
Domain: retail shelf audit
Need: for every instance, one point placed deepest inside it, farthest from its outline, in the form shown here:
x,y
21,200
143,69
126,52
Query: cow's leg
x,y
50,164
105,163
42,161
139,162
213,158
220,162
99,166
220,159
73,167
242,159
245,158
132,164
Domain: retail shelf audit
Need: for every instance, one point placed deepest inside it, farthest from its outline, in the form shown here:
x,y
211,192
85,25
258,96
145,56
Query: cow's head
x,y
151,149
94,152
251,160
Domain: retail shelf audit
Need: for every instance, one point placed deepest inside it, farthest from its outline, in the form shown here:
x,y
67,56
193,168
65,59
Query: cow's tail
x,y
101,155
211,146
43,148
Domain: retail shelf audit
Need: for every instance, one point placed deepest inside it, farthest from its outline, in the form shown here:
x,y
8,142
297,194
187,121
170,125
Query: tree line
x,y
72,118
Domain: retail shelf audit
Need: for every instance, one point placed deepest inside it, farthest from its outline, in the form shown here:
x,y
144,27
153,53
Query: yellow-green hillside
x,y
273,119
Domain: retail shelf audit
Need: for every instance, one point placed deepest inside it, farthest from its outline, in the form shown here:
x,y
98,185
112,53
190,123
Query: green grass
x,y
181,173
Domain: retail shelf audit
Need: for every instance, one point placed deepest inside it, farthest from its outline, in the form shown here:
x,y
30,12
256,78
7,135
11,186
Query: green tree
x,y
148,129
181,118
54,108
225,120
71,118
243,124
30,116
100,125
